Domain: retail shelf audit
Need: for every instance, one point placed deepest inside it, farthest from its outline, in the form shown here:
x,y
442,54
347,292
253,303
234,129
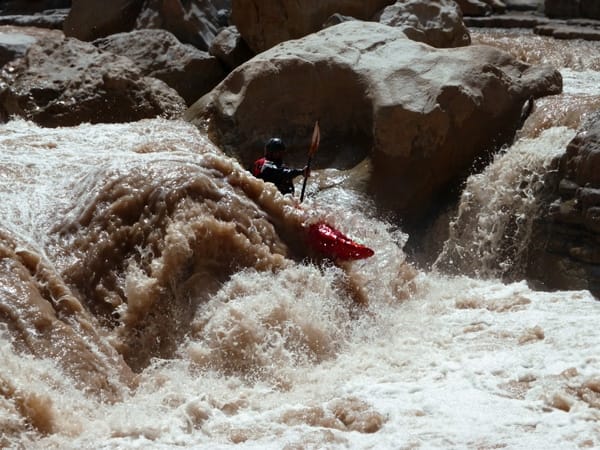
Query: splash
x,y
123,245
489,237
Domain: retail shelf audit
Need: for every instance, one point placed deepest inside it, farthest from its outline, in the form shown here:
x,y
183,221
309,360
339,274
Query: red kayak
x,y
334,244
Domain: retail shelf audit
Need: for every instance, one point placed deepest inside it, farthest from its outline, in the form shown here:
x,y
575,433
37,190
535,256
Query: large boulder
x,y
194,22
422,114
437,23
567,235
91,19
68,82
265,23
158,53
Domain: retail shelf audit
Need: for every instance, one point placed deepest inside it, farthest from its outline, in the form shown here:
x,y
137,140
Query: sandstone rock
x,y
567,235
423,114
437,23
92,19
157,53
229,48
64,83
265,23
194,22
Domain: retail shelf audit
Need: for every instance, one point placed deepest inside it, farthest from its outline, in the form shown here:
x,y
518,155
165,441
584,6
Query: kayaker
x,y
272,169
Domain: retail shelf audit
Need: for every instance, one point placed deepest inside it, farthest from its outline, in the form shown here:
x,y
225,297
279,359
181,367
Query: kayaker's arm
x,y
277,174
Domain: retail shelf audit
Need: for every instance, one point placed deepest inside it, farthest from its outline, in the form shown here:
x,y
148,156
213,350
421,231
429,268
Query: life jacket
x,y
258,166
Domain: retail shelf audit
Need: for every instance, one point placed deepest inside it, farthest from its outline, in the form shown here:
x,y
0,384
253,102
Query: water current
x,y
154,295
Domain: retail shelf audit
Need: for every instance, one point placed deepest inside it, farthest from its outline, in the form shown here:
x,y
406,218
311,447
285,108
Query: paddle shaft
x,y
305,178
314,145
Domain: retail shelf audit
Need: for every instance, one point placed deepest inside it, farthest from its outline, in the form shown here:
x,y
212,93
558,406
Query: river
x,y
226,341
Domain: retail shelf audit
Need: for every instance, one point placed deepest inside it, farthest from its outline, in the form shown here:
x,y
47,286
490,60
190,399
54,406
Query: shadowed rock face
x,y
572,8
567,238
64,83
85,21
265,23
422,114
192,22
158,53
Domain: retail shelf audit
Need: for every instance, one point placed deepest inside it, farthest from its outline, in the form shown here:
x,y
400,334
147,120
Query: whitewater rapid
x,y
267,349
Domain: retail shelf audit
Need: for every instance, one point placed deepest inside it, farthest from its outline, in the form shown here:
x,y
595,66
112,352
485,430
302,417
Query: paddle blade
x,y
316,138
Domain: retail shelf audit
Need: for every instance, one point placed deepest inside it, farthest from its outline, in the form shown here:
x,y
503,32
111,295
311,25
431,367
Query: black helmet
x,y
274,145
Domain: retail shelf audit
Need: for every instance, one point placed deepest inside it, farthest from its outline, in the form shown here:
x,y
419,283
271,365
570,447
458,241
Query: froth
x,y
261,325
490,234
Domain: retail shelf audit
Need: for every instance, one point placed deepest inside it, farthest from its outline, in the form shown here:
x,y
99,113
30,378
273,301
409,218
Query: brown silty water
x,y
113,236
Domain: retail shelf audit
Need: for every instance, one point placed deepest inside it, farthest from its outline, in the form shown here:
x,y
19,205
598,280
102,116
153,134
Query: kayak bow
x,y
334,244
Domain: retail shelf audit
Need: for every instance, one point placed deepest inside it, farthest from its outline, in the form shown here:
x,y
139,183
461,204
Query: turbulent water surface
x,y
154,295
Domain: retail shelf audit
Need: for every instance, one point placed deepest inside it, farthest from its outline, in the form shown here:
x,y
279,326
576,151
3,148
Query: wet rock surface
x,y
567,238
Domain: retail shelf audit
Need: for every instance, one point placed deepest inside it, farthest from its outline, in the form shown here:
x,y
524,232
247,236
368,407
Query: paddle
x,y
314,145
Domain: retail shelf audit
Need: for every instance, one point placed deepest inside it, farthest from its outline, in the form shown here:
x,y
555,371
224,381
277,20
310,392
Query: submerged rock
x,y
423,115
